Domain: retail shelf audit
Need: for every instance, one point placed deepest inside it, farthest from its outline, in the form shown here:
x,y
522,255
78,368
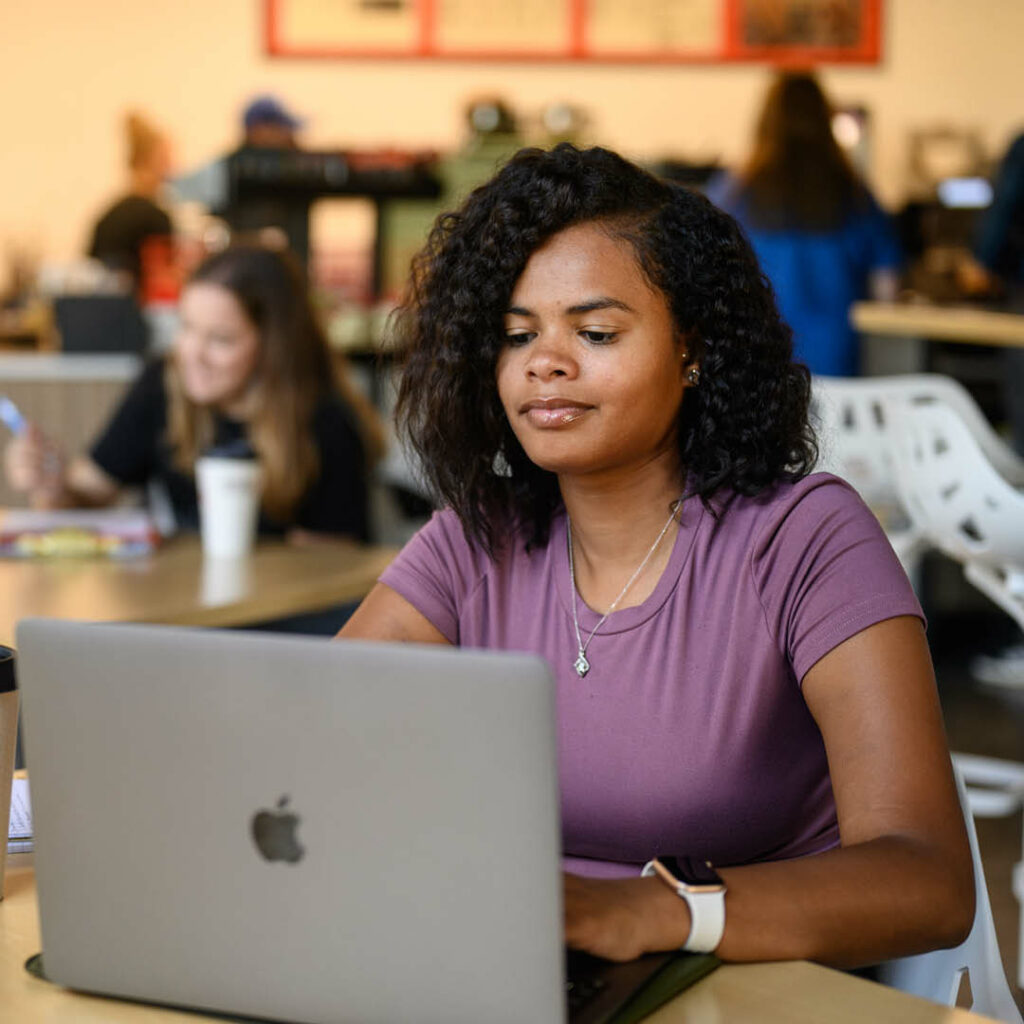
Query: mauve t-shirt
x,y
689,735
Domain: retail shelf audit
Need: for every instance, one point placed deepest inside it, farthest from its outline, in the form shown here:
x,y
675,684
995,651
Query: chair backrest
x,y
856,439
938,975
849,416
100,323
855,435
958,499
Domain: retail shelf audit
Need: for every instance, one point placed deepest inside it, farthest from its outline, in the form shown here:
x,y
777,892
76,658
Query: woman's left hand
x,y
619,919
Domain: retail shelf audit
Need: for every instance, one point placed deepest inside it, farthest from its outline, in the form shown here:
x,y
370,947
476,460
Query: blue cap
x,y
269,110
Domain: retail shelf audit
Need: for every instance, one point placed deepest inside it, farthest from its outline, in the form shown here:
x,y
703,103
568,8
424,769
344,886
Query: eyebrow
x,y
602,302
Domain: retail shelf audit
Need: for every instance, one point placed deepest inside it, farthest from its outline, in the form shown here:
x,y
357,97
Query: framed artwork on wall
x,y
641,31
805,31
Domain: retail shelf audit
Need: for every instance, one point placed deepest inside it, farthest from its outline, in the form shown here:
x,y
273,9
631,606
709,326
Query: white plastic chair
x,y
957,497
938,975
964,507
855,438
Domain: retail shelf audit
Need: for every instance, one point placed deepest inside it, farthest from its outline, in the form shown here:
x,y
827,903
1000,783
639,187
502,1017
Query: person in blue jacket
x,y
820,236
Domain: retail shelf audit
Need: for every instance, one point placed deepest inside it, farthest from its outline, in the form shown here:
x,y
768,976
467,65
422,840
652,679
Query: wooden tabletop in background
x,y
970,325
175,586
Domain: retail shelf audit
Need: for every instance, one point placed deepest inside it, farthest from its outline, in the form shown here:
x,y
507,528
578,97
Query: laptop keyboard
x,y
598,991
584,980
579,993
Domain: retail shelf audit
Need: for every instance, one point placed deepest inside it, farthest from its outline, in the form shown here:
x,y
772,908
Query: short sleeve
x,y
128,447
437,571
824,571
338,500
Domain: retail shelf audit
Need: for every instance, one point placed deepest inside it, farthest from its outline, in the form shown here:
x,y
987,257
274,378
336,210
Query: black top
x,y
118,236
134,451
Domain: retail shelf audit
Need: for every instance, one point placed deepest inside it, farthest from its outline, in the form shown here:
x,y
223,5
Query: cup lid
x,y
8,681
239,448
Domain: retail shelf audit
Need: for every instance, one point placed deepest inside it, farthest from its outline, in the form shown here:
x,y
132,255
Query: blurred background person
x,y
268,124
269,137
137,217
821,238
268,127
250,367
997,268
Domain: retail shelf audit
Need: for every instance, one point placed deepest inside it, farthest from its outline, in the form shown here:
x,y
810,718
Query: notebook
x,y
76,533
295,829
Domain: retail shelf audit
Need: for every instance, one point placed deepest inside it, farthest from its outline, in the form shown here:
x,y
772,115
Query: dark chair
x,y
101,323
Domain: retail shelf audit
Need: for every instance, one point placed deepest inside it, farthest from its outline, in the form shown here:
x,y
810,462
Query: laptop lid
x,y
293,828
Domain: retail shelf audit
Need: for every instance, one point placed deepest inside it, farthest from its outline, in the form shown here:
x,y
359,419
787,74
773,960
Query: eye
x,y
517,336
598,336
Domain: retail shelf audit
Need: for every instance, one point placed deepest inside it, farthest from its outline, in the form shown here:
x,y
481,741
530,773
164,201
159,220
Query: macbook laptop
x,y
301,830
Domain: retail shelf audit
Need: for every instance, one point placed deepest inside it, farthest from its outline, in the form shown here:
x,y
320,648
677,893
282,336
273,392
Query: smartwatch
x,y
697,882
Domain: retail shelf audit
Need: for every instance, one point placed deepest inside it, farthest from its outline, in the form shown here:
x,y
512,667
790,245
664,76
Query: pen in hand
x,y
33,449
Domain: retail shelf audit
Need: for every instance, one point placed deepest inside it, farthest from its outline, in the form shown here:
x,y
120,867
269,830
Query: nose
x,y
551,355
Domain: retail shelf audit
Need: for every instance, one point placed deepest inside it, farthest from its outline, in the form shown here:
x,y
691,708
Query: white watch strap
x,y
707,915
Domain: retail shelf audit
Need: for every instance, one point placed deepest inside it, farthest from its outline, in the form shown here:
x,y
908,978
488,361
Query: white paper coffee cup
x,y
229,505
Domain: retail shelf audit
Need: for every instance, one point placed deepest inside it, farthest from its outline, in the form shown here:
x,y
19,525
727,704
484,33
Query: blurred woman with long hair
x,y
250,367
819,234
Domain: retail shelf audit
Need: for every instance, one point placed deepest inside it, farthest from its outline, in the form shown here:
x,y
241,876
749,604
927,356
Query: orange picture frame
x,y
801,32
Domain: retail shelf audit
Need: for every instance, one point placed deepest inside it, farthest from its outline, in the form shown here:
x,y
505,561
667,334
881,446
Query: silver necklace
x,y
581,664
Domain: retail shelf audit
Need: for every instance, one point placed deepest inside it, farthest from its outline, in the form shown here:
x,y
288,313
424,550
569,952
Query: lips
x,y
553,412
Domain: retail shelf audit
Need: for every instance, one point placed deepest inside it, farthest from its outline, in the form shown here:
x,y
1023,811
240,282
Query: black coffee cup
x,y
8,680
9,684
9,752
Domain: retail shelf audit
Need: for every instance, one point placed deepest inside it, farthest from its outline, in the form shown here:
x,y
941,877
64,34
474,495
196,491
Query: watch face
x,y
692,870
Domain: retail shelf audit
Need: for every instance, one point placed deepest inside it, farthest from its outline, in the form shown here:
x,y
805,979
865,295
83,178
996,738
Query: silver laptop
x,y
293,828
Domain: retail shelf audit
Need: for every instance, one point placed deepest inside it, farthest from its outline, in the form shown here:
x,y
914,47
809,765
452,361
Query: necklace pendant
x,y
581,665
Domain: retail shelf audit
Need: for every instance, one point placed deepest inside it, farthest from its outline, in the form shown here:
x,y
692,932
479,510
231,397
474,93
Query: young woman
x,y
250,366
601,389
821,238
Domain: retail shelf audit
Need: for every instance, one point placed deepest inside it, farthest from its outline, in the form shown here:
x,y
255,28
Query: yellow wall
x,y
69,69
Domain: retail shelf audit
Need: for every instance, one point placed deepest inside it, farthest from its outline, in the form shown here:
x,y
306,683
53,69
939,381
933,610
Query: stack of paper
x,y
19,832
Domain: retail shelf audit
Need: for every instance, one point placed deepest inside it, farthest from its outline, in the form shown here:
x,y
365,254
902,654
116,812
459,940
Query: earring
x,y
693,376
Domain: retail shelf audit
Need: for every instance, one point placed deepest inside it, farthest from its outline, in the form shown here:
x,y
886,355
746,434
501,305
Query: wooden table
x,y
786,993
966,324
176,586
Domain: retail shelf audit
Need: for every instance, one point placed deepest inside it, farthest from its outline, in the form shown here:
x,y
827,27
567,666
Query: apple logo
x,y
273,832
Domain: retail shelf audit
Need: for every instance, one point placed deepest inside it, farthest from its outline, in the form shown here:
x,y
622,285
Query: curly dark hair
x,y
744,428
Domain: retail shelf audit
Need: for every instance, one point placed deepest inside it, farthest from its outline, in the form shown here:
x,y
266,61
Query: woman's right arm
x,y
34,465
386,615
